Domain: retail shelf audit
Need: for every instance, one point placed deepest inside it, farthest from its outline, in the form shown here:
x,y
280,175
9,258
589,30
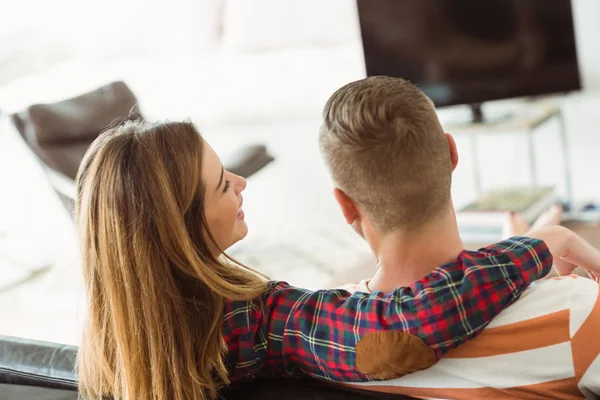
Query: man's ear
x,y
453,151
346,205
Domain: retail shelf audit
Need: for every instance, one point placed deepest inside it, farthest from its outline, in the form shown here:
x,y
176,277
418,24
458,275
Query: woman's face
x,y
222,202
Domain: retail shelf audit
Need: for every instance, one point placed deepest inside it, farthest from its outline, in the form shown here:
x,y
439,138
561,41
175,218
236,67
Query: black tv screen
x,y
471,51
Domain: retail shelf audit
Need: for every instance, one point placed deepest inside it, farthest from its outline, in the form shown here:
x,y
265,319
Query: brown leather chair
x,y
60,133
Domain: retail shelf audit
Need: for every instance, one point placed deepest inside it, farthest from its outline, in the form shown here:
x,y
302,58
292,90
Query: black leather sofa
x,y
32,370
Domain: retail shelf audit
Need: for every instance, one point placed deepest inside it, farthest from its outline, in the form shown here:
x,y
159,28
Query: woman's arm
x,y
569,250
318,332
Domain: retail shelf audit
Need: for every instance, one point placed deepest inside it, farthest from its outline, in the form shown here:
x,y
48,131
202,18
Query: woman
x,y
171,317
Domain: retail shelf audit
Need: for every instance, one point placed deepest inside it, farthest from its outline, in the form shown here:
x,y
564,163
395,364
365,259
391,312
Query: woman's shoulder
x,y
282,297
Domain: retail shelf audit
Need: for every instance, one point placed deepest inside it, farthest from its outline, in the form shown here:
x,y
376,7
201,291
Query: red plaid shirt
x,y
291,330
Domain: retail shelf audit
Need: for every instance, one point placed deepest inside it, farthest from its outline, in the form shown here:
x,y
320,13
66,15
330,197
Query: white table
x,y
528,119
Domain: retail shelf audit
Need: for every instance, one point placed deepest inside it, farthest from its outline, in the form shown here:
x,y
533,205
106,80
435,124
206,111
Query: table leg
x,y
566,160
476,171
532,163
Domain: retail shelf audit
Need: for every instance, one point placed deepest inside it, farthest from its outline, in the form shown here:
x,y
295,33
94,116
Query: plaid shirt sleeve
x,y
292,330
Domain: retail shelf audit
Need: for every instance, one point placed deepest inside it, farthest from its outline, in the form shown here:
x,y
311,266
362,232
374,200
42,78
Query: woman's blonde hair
x,y
153,329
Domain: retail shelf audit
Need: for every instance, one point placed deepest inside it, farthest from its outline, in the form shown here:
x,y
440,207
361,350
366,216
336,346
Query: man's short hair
x,y
385,148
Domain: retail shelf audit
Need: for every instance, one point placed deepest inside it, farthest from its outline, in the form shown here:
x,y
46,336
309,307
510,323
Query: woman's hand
x,y
569,251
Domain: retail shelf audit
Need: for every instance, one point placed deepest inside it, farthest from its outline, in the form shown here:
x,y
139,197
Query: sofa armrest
x,y
26,362
37,363
26,392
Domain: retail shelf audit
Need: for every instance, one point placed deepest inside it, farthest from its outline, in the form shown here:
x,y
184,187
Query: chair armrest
x,y
248,160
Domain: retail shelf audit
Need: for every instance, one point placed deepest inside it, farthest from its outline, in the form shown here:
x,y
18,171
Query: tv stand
x,y
478,116
476,113
526,119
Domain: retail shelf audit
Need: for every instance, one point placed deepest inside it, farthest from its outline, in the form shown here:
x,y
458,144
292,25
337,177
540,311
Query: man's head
x,y
388,155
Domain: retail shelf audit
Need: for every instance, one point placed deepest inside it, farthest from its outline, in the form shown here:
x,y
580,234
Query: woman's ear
x,y
346,205
453,151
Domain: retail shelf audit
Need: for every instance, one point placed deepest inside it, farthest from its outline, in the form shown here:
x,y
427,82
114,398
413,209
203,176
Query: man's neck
x,y
405,257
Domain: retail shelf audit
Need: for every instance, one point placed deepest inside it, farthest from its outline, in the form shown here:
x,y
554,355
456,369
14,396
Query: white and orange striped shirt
x,y
545,345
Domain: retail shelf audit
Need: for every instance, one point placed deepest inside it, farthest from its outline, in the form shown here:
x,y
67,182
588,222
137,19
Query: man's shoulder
x,y
551,298
568,283
548,314
562,288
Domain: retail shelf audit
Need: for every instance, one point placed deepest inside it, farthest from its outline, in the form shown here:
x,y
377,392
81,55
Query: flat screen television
x,y
471,51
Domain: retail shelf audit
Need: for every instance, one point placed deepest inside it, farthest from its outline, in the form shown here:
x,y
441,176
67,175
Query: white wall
x,y
586,14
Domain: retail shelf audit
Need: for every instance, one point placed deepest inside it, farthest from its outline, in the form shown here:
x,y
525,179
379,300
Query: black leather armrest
x,y
22,392
25,363
248,160
37,363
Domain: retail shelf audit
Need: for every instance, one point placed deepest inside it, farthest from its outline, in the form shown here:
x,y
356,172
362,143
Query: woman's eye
x,y
226,188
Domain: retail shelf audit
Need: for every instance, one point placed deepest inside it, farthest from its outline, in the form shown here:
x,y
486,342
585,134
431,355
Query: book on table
x,y
483,220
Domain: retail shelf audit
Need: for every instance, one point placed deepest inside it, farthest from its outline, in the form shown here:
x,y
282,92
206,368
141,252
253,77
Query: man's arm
x,y
319,332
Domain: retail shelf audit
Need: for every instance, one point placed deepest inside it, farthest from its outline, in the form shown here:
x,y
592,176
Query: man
x,y
392,164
